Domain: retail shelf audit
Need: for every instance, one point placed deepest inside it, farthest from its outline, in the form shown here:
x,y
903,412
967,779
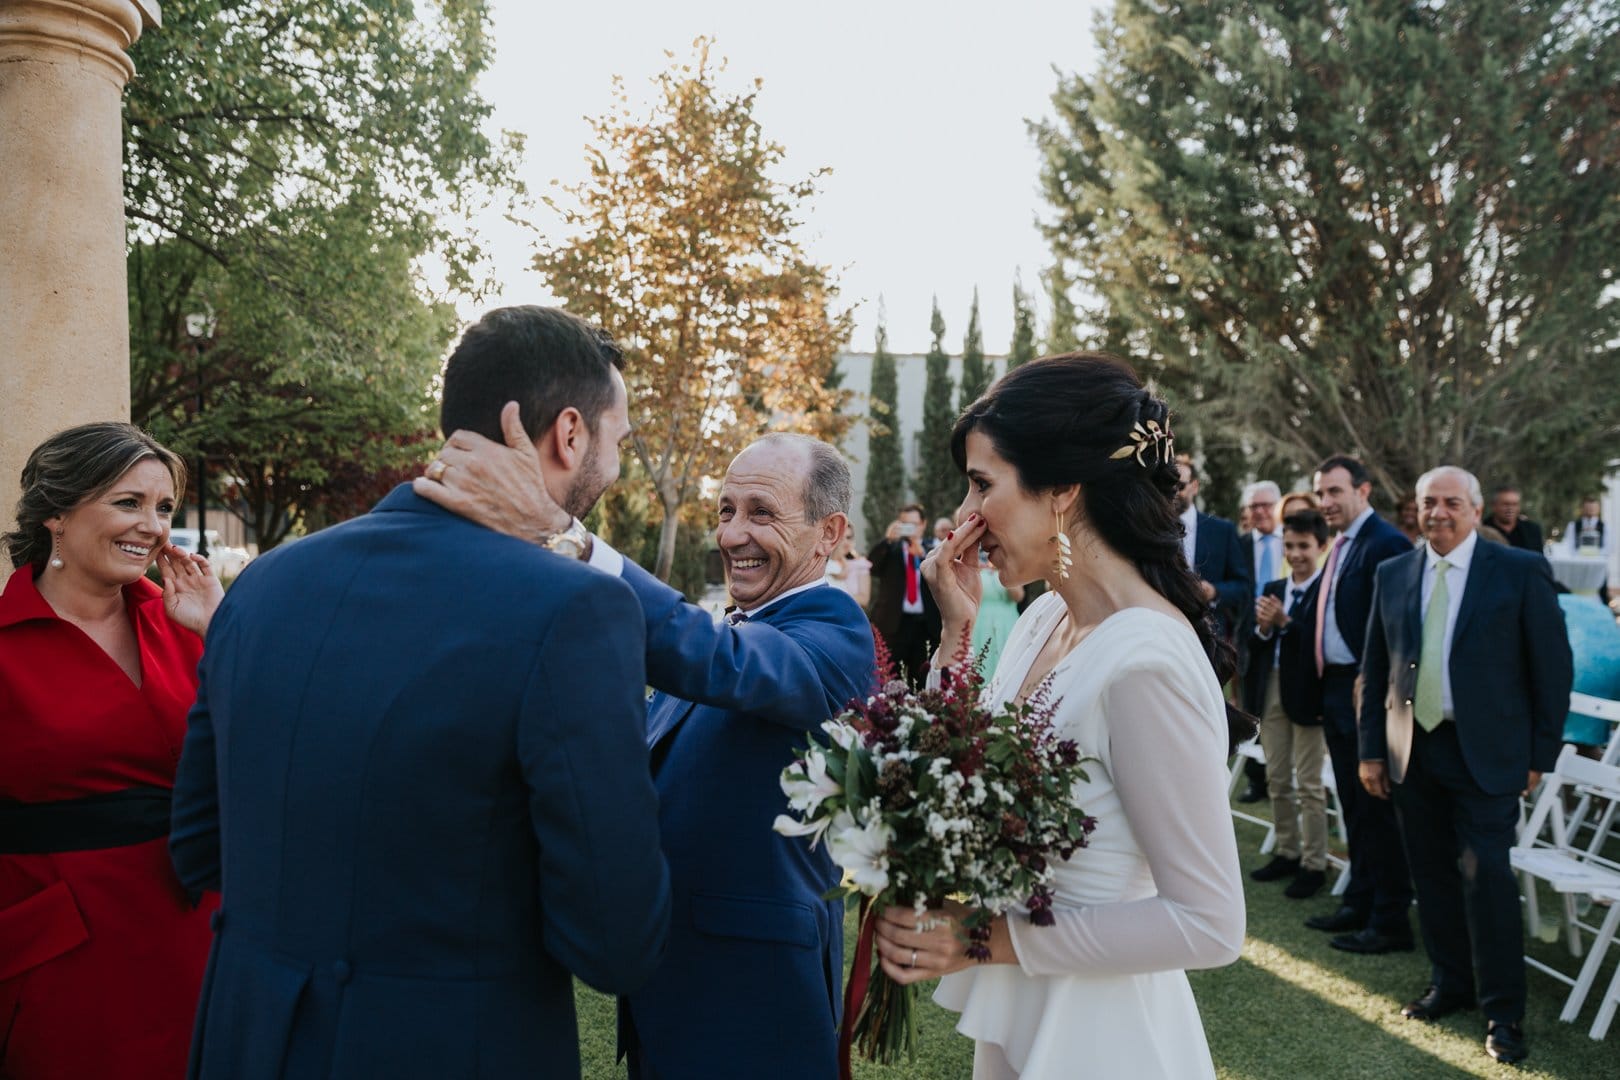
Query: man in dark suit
x,y
1468,673
423,788
754,963
1285,691
1505,518
1212,549
1262,546
903,609
1372,916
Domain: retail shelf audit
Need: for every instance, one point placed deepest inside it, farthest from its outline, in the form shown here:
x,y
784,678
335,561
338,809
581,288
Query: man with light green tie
x,y
1468,671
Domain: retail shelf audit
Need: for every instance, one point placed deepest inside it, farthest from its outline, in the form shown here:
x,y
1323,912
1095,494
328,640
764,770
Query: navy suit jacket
x,y
1293,651
750,982
1510,666
1219,559
416,767
1377,541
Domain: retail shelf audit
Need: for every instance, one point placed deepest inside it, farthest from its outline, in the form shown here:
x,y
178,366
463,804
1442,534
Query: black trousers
x,y
1380,884
1457,841
911,646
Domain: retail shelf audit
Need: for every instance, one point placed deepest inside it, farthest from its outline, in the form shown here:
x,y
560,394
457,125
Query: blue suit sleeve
x,y
604,884
194,813
794,674
1233,578
1548,660
1372,739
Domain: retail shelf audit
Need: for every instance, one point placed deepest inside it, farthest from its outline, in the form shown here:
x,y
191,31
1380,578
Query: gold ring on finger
x,y
437,469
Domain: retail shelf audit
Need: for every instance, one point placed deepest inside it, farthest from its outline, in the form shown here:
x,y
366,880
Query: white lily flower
x,y
790,826
862,850
806,783
843,735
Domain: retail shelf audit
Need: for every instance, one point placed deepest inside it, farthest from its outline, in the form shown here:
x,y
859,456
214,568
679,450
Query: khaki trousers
x,y
1294,754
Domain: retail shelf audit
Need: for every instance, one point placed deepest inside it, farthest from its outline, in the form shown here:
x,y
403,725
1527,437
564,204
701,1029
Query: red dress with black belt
x,y
101,950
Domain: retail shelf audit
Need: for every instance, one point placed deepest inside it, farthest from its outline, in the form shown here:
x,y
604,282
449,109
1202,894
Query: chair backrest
x,y
1587,705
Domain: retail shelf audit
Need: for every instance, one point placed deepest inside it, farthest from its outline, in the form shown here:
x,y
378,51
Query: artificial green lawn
x,y
1291,1007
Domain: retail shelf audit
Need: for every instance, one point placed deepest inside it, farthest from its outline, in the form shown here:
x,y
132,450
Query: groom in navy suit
x,y
416,766
749,985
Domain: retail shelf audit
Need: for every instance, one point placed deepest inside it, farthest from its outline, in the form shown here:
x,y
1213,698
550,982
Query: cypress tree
x,y
938,485
975,372
885,472
1023,339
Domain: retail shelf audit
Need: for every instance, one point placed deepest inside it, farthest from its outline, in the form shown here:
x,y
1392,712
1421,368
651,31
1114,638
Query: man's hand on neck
x,y
502,487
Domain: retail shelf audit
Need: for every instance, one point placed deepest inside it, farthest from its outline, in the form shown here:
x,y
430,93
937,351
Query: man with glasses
x,y
1263,554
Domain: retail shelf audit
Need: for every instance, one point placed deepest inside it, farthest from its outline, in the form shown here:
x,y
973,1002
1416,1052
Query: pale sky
x,y
918,109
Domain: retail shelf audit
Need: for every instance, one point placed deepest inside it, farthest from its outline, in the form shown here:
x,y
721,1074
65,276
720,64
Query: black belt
x,y
115,819
1341,669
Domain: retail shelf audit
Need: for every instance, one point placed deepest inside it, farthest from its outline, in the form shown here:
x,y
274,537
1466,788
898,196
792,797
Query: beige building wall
x,y
64,306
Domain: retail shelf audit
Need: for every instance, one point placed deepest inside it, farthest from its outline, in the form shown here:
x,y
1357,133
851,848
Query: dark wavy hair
x,y
1059,421
72,467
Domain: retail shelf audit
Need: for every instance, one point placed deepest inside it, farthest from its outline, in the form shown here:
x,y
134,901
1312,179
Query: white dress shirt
x,y
1334,648
1456,578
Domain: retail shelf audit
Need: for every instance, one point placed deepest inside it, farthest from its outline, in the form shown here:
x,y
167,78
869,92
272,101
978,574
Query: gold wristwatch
x,y
571,543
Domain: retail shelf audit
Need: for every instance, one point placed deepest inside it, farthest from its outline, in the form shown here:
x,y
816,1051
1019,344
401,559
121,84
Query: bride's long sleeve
x,y
1168,768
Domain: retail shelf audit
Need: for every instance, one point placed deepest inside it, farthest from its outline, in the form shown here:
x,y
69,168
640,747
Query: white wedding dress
x,y
1157,891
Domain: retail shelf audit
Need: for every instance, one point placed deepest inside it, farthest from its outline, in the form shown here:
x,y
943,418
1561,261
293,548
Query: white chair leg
x,y
1589,970
1611,1000
1532,907
1572,924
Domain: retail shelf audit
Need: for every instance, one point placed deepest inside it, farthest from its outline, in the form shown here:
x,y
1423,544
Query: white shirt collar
x,y
749,613
1460,556
1300,587
1355,526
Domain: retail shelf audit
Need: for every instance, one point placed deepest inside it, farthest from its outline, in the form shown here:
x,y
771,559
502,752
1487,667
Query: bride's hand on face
x,y
952,573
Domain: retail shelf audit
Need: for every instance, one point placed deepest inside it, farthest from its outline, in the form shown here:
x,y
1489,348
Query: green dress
x,y
997,613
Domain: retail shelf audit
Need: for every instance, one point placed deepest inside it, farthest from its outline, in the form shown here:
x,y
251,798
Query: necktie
x,y
911,578
735,617
1268,563
1322,597
1428,708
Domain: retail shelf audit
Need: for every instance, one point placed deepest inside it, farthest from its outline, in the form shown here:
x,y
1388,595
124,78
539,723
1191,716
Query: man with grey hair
x,y
1468,671
751,974
1263,551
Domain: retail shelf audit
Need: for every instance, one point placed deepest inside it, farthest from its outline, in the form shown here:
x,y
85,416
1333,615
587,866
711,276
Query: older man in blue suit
x,y
750,983
1468,674
416,768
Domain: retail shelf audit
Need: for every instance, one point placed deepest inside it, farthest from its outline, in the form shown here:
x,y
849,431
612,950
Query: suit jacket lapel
x,y
1412,590
1473,586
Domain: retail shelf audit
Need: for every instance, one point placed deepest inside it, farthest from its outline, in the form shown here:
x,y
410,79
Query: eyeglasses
x,y
1260,506
1183,485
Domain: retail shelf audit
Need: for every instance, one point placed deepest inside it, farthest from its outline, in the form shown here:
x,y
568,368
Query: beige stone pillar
x,y
64,301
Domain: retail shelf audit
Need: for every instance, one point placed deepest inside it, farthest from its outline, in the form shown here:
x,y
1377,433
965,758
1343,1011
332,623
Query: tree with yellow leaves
x,y
685,248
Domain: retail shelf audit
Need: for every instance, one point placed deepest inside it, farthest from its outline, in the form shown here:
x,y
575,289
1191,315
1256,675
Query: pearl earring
x,y
56,553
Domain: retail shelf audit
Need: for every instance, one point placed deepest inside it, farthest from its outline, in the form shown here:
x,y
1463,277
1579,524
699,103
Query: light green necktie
x,y
1431,665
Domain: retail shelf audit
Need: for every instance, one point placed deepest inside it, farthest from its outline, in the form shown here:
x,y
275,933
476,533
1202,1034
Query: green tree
x,y
1022,350
975,372
885,469
684,246
1387,229
289,165
938,486
1063,327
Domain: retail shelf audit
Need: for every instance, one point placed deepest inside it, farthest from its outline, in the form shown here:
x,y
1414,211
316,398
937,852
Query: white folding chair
x,y
1604,709
1611,996
1246,752
1335,812
1571,870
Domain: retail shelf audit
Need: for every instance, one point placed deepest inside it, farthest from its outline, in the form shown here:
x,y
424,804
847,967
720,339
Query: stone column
x,y
64,295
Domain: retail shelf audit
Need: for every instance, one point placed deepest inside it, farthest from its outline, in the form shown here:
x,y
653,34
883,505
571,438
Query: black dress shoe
x,y
1252,794
1370,942
1345,919
1505,1043
1306,884
1435,1003
1278,868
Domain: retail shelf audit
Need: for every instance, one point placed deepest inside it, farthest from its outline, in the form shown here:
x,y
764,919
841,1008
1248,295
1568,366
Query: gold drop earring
x,y
1061,564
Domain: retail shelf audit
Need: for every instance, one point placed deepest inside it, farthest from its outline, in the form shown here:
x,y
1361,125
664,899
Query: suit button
x,y
216,921
1412,666
1409,701
342,972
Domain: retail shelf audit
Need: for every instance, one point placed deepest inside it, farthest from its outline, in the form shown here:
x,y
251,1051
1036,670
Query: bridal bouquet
x,y
924,795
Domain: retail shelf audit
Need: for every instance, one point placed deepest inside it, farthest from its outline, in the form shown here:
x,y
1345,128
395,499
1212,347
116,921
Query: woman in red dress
x,y
101,950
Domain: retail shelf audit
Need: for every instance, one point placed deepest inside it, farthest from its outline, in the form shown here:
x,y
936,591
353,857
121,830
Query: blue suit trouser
x,y
1457,840
1380,884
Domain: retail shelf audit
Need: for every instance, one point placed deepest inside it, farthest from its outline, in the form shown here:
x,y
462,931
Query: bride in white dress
x,y
1126,640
